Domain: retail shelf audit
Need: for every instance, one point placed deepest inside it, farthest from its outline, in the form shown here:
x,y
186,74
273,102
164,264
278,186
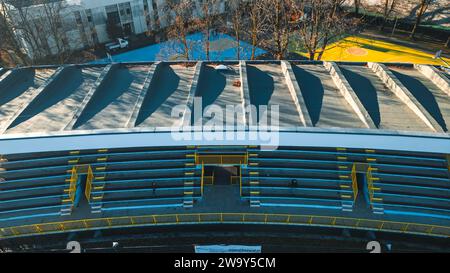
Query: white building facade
x,y
84,22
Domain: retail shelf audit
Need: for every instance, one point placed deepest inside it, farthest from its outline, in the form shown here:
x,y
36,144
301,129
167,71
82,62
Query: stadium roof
x,y
369,98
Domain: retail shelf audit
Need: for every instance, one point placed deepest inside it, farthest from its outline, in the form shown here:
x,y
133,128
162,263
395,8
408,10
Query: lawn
x,y
359,49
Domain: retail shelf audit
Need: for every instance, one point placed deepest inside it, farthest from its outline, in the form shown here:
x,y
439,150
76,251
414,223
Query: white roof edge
x,y
67,142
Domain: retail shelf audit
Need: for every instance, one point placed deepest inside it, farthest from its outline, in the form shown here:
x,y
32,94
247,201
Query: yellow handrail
x,y
222,159
89,179
73,184
370,185
208,218
201,181
354,183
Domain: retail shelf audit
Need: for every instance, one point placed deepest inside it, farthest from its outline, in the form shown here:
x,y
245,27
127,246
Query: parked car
x,y
119,43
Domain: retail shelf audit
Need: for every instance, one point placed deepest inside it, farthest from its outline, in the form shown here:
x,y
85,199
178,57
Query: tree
x,y
422,9
277,14
321,21
41,29
9,45
357,3
388,8
256,22
447,44
206,23
180,19
236,16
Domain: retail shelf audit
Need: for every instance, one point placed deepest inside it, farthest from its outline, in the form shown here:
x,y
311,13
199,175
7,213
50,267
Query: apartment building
x,y
83,23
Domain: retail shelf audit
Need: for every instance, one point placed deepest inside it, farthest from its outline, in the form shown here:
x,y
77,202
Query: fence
x,y
354,183
89,179
221,159
225,218
73,184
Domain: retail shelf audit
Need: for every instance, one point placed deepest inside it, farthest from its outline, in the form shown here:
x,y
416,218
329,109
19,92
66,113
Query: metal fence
x,y
230,218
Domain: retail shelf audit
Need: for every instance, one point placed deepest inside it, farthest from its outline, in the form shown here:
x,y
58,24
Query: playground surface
x,y
361,49
222,47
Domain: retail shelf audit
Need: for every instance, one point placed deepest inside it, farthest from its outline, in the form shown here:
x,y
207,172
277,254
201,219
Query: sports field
x,y
223,47
359,49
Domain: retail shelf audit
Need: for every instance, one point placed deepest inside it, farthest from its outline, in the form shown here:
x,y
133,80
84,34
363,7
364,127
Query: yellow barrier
x,y
202,182
211,218
370,186
89,179
221,159
354,183
234,179
73,184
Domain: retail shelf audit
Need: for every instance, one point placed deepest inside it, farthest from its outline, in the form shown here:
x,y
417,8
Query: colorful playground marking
x,y
359,49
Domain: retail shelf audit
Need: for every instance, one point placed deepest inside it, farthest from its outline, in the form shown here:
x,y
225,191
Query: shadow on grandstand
x,y
366,93
312,90
210,85
166,82
63,88
261,86
118,82
423,95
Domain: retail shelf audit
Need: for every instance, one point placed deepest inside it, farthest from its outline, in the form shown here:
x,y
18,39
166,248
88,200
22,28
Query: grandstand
x,y
362,146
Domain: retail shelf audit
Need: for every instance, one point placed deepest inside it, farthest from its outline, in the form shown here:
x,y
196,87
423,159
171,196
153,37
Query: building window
x,y
89,15
78,17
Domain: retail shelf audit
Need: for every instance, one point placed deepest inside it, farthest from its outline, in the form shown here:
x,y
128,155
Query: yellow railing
x,y
211,218
73,184
370,187
354,183
221,159
208,180
89,179
202,182
234,179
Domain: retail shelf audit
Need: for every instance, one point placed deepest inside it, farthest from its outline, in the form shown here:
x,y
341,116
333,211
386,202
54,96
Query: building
x,y
83,23
358,146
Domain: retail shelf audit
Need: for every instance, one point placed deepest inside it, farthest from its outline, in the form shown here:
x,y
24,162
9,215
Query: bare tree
x,y
9,45
53,18
422,9
357,4
180,17
277,14
207,22
389,6
42,29
236,17
321,21
256,23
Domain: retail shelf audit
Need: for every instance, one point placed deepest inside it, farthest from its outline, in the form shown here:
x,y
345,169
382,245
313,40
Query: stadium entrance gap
x,y
363,186
221,169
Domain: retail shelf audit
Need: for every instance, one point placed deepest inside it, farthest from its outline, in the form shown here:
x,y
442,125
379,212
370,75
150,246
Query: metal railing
x,y
230,218
221,159
370,186
354,183
89,179
73,184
